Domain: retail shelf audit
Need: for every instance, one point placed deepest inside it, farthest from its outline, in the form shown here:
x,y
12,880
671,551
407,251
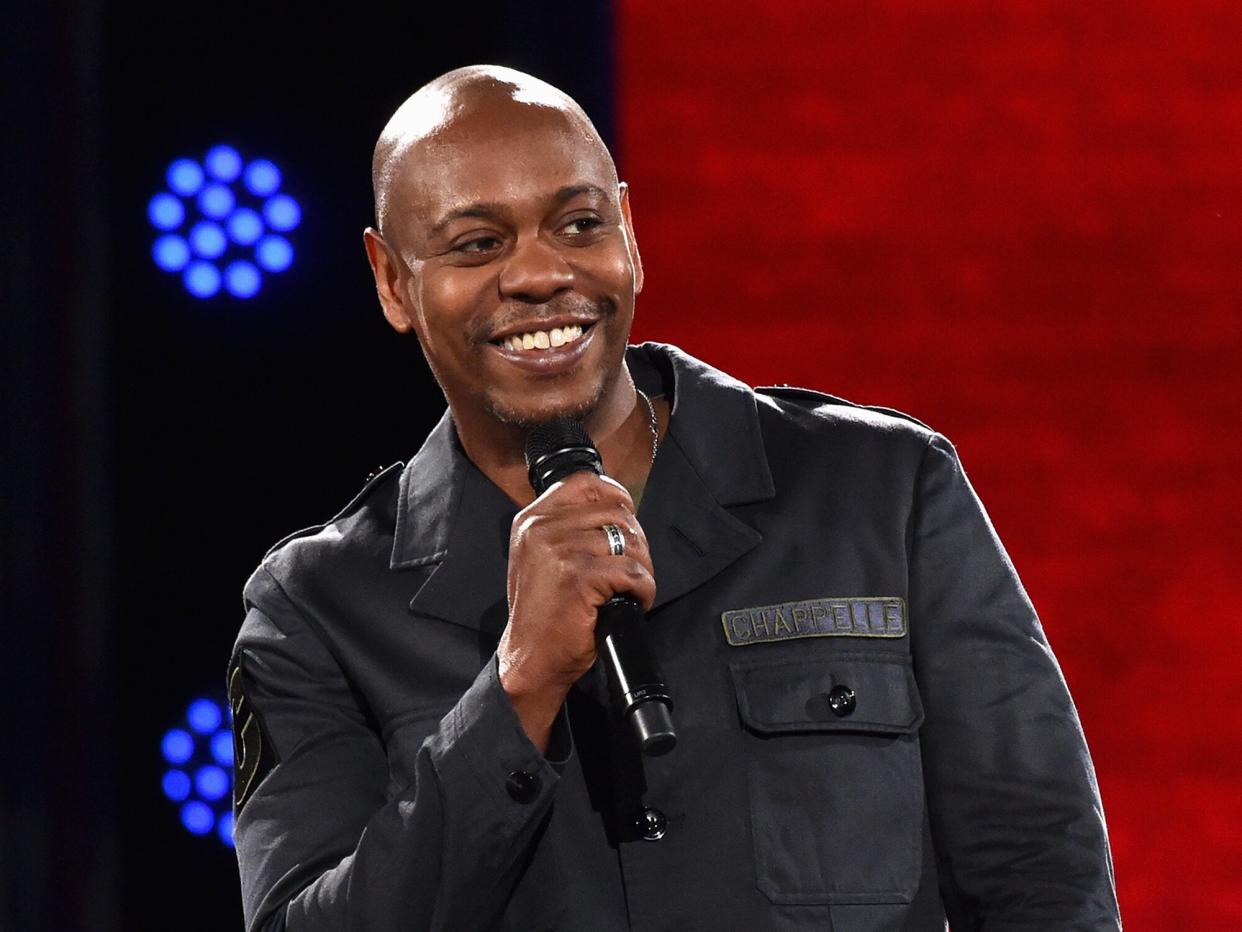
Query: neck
x,y
619,426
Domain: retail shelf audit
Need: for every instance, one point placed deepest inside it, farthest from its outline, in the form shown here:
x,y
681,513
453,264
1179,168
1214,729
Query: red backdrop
x,y
1018,221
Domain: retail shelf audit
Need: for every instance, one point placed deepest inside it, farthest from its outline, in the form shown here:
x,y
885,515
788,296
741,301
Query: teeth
x,y
543,339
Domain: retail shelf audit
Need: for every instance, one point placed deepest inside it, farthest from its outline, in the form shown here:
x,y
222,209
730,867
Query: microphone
x,y
635,686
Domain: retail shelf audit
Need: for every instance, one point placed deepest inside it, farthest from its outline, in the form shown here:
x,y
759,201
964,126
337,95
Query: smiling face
x,y
508,249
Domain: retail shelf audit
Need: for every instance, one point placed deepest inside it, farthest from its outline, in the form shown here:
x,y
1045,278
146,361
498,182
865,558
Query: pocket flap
x,y
844,692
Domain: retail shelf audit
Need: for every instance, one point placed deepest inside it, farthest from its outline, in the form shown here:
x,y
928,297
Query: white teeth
x,y
543,339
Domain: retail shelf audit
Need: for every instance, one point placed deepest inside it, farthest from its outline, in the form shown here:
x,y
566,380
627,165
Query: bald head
x,y
457,104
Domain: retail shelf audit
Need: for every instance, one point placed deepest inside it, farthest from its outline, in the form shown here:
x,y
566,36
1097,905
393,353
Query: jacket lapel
x,y
711,458
453,522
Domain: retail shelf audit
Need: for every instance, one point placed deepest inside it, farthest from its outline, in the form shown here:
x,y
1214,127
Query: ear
x,y
386,267
630,241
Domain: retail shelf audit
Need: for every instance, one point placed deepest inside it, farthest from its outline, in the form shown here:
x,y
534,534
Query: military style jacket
x,y
874,733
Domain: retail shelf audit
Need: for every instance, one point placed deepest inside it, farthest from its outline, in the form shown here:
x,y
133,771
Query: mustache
x,y
481,331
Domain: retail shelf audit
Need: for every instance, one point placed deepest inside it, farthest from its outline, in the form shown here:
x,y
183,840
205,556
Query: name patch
x,y
867,617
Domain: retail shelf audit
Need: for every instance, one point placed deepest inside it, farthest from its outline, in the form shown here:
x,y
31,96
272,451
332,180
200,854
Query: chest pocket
x,y
834,777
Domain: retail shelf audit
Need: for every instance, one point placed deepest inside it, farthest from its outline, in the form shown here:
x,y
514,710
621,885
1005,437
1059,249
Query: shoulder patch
x,y
809,394
253,754
374,480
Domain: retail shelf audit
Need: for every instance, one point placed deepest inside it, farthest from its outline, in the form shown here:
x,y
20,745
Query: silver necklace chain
x,y
654,424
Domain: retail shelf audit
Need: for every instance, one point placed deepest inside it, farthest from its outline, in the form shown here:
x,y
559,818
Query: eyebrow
x,y
489,209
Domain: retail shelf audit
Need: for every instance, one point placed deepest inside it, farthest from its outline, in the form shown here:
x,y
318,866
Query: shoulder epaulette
x,y
810,394
376,478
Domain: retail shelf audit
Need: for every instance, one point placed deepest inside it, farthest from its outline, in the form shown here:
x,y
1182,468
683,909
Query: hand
x,y
560,572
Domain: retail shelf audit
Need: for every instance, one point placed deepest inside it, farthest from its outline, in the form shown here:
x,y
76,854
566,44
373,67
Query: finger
x,y
587,487
603,577
585,532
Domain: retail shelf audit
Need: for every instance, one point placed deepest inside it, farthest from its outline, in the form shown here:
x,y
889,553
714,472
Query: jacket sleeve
x,y
323,841
1015,812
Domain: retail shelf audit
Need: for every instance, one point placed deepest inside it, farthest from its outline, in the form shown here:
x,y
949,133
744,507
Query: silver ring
x,y
616,542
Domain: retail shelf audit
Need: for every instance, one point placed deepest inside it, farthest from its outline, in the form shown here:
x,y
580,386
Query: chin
x,y
528,416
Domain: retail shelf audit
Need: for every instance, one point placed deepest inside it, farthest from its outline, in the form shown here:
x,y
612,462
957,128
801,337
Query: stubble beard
x,y
525,420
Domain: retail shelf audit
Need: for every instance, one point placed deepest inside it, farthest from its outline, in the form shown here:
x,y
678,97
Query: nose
x,y
534,272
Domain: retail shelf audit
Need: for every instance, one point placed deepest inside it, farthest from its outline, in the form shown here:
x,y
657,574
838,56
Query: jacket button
x,y
841,700
652,824
522,786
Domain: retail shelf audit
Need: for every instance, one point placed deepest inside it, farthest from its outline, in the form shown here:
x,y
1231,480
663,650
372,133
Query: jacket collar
x,y
451,518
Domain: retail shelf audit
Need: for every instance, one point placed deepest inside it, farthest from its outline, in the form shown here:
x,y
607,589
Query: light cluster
x,y
223,223
199,778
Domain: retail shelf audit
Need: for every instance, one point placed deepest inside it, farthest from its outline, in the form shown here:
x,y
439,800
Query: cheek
x,y
610,270
448,302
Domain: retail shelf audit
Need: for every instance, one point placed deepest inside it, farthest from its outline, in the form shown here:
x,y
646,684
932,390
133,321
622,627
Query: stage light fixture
x,y
224,163
171,252
177,746
202,279
216,201
222,748
165,211
245,226
242,279
207,239
176,785
274,253
262,178
216,220
282,212
197,817
198,753
185,177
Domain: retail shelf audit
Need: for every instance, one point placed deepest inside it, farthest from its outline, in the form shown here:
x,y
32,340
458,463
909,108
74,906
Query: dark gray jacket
x,y
874,733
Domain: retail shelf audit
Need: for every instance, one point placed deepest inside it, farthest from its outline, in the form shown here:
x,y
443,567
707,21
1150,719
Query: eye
x,y
581,225
477,246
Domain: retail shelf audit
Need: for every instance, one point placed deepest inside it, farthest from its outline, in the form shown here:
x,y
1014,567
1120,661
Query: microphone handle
x,y
635,684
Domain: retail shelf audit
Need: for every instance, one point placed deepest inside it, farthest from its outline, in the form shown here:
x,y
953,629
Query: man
x,y
873,732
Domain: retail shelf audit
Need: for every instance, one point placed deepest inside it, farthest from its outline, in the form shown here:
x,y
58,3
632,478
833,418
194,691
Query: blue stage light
x,y
200,748
245,226
242,279
274,253
216,226
165,211
177,746
204,716
223,162
185,176
171,252
207,239
211,782
282,212
202,279
176,784
222,748
216,201
262,178
197,817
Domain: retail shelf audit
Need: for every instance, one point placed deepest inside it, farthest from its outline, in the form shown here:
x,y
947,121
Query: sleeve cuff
x,y
491,743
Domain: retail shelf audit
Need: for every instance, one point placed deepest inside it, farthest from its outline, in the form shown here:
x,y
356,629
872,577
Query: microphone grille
x,y
563,432
564,436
